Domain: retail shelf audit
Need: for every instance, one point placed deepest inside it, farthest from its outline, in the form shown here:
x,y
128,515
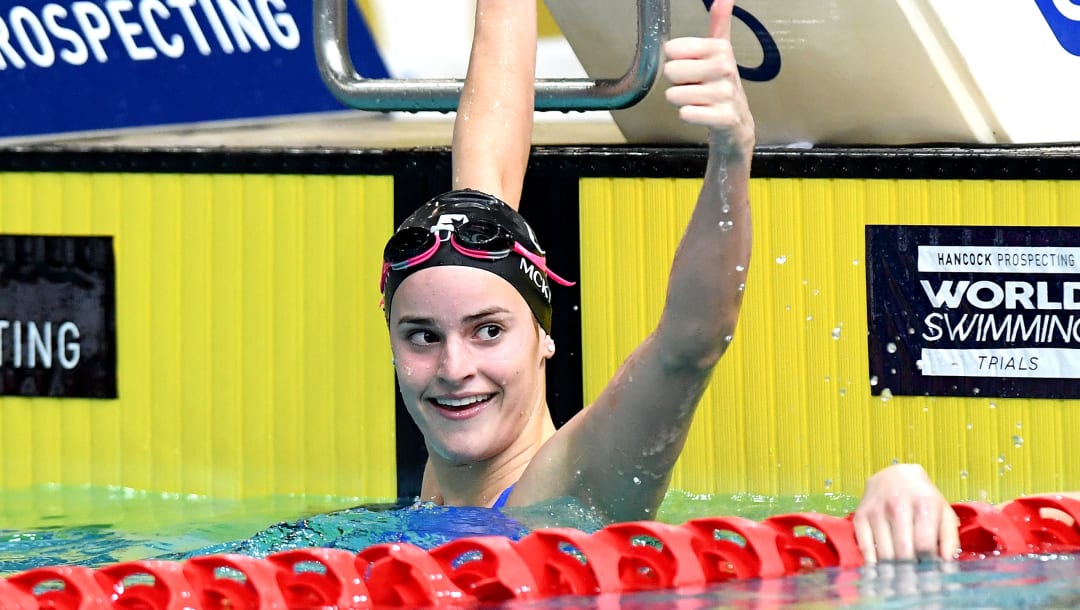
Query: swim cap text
x,y
539,279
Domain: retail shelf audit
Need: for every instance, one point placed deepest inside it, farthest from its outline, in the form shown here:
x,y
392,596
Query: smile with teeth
x,y
460,403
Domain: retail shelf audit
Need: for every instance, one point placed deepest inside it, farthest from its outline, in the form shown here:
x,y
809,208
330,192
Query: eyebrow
x,y
469,319
416,320
486,313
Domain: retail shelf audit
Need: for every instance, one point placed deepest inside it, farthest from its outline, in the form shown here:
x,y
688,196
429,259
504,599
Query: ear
x,y
547,345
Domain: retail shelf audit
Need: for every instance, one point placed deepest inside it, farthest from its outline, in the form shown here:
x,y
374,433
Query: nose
x,y
458,362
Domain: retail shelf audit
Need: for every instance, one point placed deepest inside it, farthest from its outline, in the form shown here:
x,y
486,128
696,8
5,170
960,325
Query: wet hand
x,y
903,516
705,83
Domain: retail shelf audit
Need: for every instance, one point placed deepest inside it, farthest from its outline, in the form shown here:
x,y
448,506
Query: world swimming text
x,y
1001,304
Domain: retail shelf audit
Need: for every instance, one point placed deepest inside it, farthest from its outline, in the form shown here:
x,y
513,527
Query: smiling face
x,y
470,362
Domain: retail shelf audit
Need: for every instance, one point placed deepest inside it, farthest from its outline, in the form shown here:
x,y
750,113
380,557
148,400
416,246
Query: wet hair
x,y
455,208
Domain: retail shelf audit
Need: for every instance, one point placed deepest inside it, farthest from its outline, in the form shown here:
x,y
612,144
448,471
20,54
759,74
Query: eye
x,y
489,332
423,337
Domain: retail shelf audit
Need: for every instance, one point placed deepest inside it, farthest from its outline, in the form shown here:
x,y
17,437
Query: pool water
x,y
100,526
1005,583
95,526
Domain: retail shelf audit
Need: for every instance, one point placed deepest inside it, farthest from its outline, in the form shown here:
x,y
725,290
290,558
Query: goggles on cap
x,y
478,239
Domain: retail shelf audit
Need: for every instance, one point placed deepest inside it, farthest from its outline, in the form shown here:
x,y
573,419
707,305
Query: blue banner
x,y
87,65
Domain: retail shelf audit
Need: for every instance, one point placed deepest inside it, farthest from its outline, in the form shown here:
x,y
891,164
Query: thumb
x,y
720,19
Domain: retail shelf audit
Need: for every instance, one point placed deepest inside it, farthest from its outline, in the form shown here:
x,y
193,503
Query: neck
x,y
480,483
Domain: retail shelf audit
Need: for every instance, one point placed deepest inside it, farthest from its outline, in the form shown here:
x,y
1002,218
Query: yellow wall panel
x,y
545,24
252,355
790,408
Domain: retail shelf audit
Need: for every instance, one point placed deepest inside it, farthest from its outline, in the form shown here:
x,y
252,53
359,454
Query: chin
x,y
466,453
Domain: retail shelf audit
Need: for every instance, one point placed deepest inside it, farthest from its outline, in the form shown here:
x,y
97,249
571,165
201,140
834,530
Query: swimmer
x,y
467,295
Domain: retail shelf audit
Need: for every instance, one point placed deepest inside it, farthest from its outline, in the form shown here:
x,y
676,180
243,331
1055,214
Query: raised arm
x,y
618,454
493,127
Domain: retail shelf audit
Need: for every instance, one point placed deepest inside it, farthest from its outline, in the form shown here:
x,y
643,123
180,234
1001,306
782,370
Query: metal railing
x,y
412,95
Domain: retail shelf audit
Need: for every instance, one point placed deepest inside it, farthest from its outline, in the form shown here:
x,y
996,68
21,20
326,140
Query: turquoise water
x,y
97,527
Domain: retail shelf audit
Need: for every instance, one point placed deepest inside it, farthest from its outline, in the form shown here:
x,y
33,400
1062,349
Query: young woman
x,y
467,296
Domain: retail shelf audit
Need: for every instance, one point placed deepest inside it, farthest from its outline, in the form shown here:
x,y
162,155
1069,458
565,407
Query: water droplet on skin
x,y
726,225
727,339
890,347
886,395
740,268
780,260
873,381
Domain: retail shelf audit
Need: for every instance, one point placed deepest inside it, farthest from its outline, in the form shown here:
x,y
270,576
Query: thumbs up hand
x,y
705,84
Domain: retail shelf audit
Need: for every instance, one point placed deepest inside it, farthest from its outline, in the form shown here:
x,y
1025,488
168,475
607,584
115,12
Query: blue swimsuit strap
x,y
501,501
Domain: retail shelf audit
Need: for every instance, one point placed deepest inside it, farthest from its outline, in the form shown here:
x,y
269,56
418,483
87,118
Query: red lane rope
x,y
620,558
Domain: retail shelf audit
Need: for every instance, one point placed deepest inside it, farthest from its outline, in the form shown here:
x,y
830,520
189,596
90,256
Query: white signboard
x,y
866,72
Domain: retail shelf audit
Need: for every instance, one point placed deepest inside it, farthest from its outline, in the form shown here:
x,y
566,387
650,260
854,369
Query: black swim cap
x,y
453,209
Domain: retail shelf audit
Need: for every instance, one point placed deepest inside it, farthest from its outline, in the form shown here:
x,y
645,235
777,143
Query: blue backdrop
x,y
104,64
